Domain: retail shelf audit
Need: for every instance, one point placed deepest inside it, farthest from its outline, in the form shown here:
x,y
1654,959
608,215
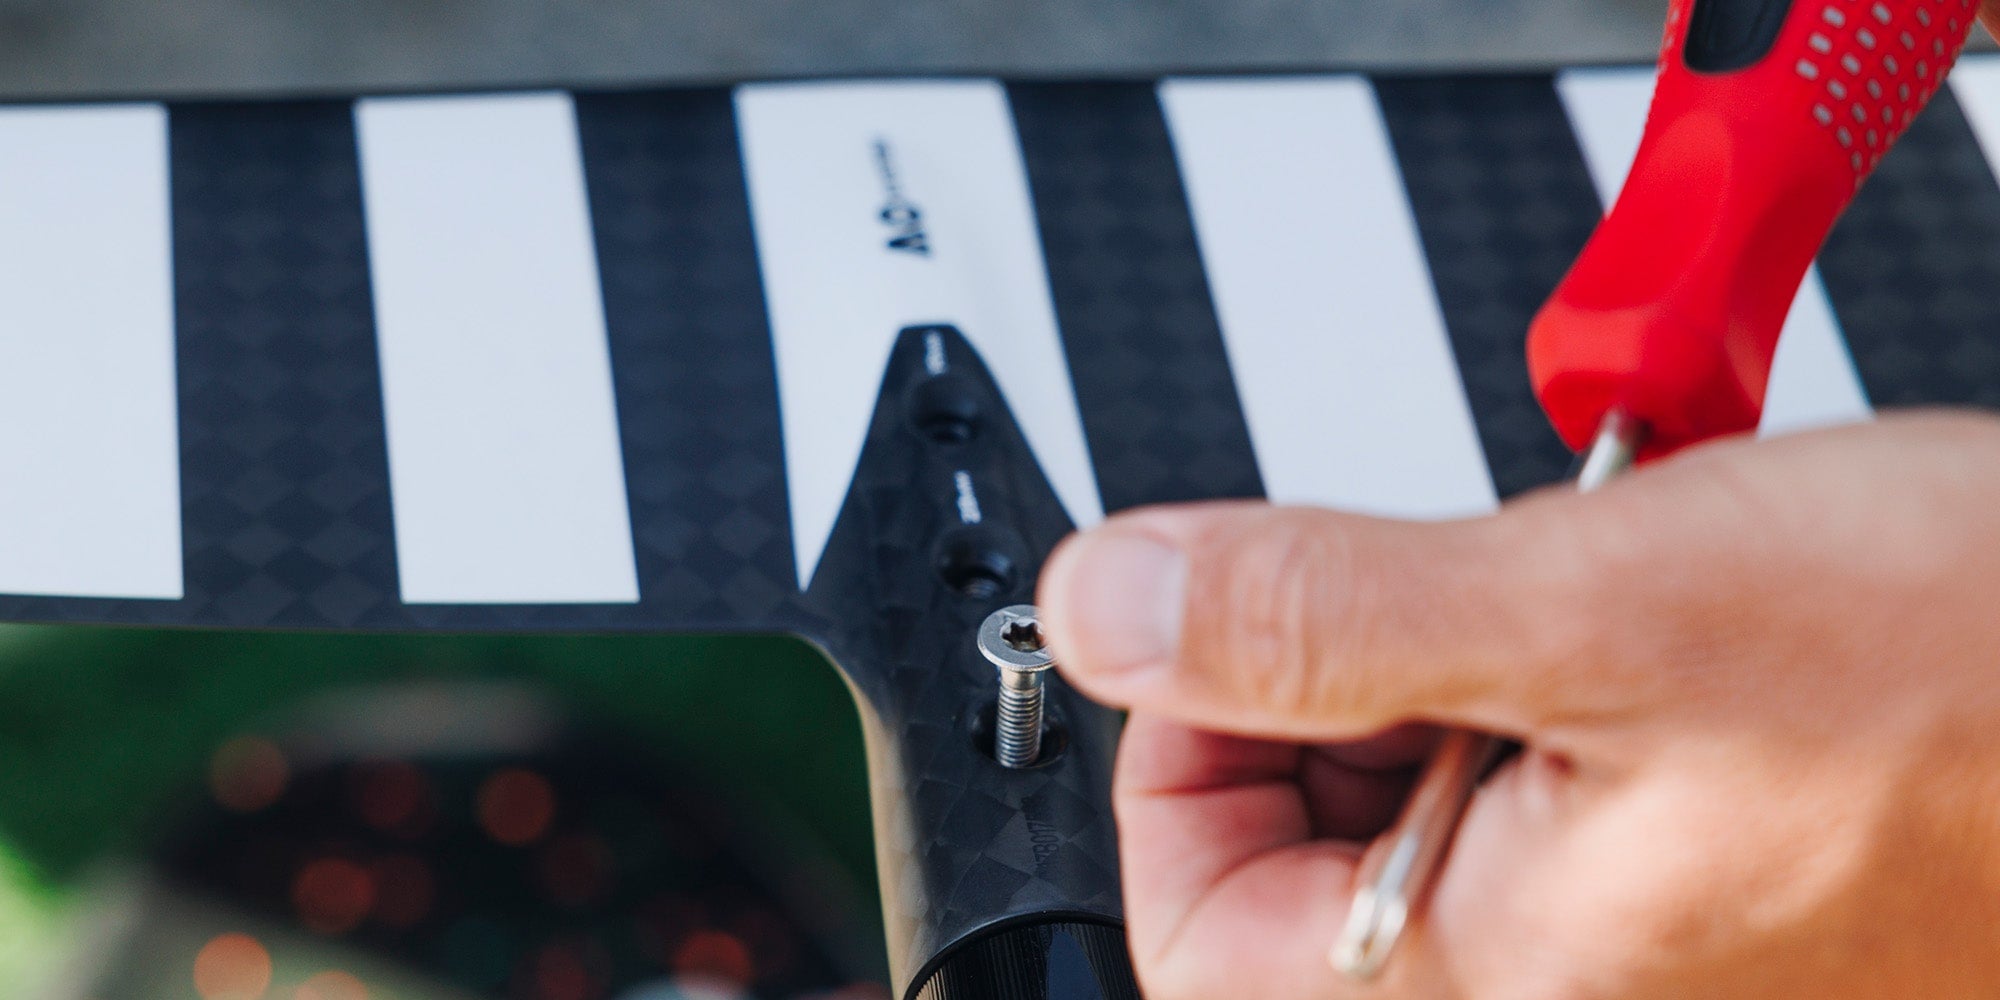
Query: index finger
x,y
1231,888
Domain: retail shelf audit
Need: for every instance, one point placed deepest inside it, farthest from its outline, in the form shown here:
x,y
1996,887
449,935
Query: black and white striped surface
x,y
608,360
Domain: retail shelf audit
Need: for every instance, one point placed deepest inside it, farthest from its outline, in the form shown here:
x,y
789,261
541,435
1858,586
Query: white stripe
x,y
1976,84
89,458
1813,381
835,172
1334,334
506,477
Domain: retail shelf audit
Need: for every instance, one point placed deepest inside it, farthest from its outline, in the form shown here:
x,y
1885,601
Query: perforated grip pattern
x,y
1672,312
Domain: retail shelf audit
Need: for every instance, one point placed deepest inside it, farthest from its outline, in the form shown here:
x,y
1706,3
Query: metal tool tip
x,y
1374,923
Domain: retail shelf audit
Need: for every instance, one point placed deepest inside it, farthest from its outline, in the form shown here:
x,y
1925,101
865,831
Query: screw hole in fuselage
x,y
1055,737
977,563
942,410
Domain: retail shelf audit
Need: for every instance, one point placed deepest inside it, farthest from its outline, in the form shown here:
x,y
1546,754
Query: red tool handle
x,y
1767,116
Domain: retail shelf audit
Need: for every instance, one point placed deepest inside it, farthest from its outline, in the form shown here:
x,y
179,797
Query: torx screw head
x,y
1012,639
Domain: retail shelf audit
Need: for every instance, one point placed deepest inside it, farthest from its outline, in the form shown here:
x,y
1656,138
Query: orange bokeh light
x,y
332,984
560,974
232,967
248,773
717,955
516,806
332,895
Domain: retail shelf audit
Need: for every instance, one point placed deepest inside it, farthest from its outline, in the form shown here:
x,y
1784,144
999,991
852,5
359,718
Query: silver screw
x,y
1012,638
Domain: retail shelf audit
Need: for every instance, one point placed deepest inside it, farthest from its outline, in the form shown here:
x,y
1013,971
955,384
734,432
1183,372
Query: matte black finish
x,y
1504,204
1039,961
1725,35
684,308
962,843
1913,269
1152,379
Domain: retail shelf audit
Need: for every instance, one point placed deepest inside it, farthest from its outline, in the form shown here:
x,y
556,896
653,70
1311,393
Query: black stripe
x,y
284,472
1504,203
692,357
1913,269
1159,408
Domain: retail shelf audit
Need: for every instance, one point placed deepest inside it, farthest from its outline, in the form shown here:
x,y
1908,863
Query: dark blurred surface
x,y
161,791
147,47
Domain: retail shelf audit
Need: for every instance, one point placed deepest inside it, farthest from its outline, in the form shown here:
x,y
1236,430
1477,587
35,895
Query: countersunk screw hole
x,y
943,410
975,570
1055,736
945,428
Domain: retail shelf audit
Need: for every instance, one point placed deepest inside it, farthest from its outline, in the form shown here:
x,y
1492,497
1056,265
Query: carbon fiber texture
x,y
1913,269
1152,379
1504,204
961,842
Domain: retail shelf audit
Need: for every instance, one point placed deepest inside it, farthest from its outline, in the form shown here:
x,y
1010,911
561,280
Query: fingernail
x,y
1121,594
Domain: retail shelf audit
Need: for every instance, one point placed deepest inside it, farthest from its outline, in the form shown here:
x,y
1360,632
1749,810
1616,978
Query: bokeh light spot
x,y
248,773
332,895
516,806
560,974
332,984
717,955
232,967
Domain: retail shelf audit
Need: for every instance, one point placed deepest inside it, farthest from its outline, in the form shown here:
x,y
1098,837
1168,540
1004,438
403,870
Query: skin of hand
x,y
1757,683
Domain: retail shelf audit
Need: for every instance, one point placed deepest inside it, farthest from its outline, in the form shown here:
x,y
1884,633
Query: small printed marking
x,y
934,361
1822,114
1865,37
968,501
1881,13
1837,89
1820,43
1875,90
1808,70
1846,138
1889,63
1851,64
1834,17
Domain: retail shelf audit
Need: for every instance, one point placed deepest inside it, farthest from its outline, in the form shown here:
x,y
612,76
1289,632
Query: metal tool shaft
x,y
1399,870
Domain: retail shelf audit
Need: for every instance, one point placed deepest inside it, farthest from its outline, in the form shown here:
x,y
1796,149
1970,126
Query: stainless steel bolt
x,y
1012,639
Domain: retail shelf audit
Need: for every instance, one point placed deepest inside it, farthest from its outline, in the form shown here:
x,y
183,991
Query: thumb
x,y
1314,624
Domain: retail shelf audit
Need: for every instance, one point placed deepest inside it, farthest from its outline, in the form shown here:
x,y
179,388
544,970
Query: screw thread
x,y
1017,726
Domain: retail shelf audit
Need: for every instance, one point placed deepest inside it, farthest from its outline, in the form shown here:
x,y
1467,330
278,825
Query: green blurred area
x,y
103,730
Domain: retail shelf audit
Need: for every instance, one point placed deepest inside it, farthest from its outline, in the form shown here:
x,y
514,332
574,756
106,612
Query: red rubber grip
x,y
1673,310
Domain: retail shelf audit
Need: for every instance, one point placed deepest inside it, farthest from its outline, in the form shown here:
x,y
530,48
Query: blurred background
x,y
231,816
148,47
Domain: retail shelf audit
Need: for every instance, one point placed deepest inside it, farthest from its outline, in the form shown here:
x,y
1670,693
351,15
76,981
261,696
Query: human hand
x,y
1758,685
